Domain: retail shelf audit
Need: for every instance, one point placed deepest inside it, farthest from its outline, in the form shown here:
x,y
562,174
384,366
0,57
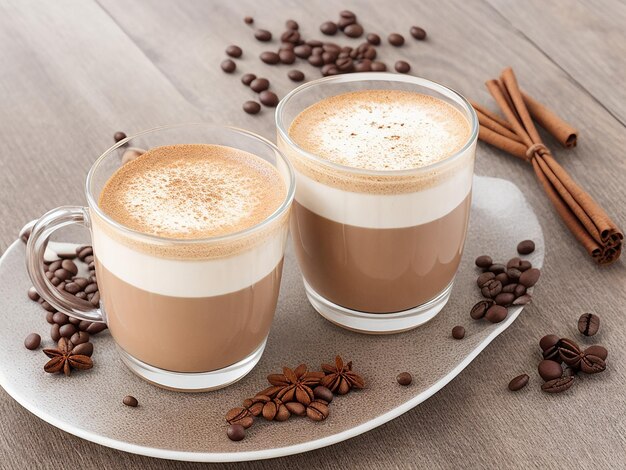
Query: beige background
x,y
74,72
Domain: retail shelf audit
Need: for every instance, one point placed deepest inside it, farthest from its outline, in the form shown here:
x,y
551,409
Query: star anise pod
x,y
293,385
63,359
340,378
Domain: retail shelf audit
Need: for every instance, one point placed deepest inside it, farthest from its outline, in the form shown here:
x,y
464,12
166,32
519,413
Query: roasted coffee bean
x,y
234,51
373,39
378,66
263,35
61,287
484,278
513,273
95,300
67,330
524,265
83,251
291,36
329,69
317,411
248,20
558,385
597,350
478,311
503,278
497,268
364,65
268,98
47,307
395,39
62,274
119,135
330,57
228,66
509,288
80,337
496,313
418,33
74,321
513,263
483,261
292,24
303,51
282,413
343,23
316,60
354,30
520,290
60,318
402,66
129,400
81,295
32,294
518,382
504,299
55,265
296,408
345,64
323,393
550,370
270,57
84,349
287,57
491,289
95,328
81,281
55,333
295,75
251,107
526,247
588,324
569,352
328,28
72,288
248,78
530,277
235,432
91,288
458,332
314,43
522,299
548,341
49,318
404,378
241,416
69,266
591,364
32,341
347,14
260,84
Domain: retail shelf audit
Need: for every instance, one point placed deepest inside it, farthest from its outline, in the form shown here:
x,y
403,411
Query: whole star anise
x,y
63,359
293,385
340,378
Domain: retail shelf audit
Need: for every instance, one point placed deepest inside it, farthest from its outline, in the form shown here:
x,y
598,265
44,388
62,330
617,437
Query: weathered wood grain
x,y
73,73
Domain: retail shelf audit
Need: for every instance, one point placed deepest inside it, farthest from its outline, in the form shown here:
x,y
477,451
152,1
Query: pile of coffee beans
x,y
330,57
504,285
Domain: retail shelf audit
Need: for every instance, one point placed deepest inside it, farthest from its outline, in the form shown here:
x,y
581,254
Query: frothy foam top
x,y
193,191
381,129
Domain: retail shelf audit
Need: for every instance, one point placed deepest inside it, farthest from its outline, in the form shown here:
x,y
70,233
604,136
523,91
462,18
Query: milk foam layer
x,y
381,129
193,191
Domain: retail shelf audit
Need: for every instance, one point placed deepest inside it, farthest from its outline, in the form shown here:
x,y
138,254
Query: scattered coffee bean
x,y
270,57
290,36
478,311
119,135
55,332
503,278
248,78
248,20
588,324
49,317
234,51
49,308
520,290
292,24
396,39
260,84
95,328
317,411
548,341
491,289
303,51
236,432
32,294
60,318
558,385
378,66
526,247
597,350
497,268
530,277
591,364
353,30
84,349
32,341
347,14
550,370
418,33
316,60
251,107
228,66
402,66
268,98
513,273
67,330
522,299
496,313
569,352
518,382
129,400
484,278
404,378
373,39
79,337
263,35
296,408
483,261
295,75
504,299
287,57
328,28
364,65
509,288
458,332
323,393
74,321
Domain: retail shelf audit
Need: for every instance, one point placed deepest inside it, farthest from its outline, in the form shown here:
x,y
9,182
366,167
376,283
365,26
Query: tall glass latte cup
x,y
187,312
384,165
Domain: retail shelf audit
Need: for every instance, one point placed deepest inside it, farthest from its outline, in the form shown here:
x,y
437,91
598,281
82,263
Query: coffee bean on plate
x,y
550,370
129,400
402,66
268,98
84,349
251,107
504,299
353,30
418,33
458,332
597,350
234,51
373,39
509,288
513,273
32,294
530,277
520,290
32,341
519,382
79,337
484,278
503,278
67,330
558,385
228,66
526,247
404,378
395,39
235,432
522,299
317,411
263,35
270,57
323,393
119,135
588,324
491,288
478,311
260,84
328,28
496,313
295,75
247,78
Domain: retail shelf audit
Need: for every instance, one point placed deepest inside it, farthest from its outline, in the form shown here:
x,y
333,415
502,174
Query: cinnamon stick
x,y
564,133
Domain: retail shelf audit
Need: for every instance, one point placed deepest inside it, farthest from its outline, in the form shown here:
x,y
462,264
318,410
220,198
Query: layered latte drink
x,y
384,180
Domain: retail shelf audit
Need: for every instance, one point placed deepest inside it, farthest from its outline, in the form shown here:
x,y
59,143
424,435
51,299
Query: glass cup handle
x,y
35,248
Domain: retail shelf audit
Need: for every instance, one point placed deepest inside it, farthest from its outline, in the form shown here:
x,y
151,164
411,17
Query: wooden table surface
x,y
74,72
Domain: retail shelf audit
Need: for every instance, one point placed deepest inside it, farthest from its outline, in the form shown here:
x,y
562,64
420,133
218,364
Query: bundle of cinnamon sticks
x,y
518,136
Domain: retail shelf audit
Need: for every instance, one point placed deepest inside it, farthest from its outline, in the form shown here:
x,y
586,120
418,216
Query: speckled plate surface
x,y
191,427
